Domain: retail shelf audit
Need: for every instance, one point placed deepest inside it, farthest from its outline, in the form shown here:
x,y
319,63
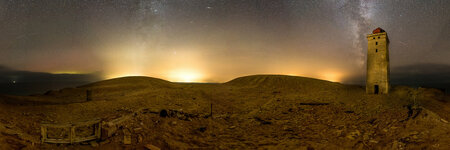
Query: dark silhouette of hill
x,y
16,82
278,81
129,82
424,75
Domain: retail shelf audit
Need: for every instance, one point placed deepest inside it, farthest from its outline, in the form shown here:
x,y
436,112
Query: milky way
x,y
217,40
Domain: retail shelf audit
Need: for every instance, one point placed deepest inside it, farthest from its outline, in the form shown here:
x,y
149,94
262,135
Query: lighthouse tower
x,y
377,80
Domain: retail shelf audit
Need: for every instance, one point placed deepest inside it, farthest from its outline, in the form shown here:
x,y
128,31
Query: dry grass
x,y
261,111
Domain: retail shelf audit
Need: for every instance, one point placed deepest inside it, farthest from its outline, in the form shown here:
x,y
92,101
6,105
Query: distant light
x,y
185,76
331,76
14,82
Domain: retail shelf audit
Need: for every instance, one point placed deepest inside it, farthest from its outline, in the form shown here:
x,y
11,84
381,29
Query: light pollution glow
x,y
218,41
66,72
192,63
193,75
135,61
212,60
188,67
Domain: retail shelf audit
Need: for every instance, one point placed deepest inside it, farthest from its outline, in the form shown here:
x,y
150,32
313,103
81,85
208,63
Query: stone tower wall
x,y
377,63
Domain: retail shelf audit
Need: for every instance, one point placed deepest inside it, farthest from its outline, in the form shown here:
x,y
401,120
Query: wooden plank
x,y
57,141
98,131
72,134
44,133
82,139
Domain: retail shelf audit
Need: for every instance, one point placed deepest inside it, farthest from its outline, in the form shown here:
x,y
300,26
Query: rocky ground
x,y
253,112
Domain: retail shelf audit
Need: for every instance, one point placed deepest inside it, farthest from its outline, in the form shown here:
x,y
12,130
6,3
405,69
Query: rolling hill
x,y
259,111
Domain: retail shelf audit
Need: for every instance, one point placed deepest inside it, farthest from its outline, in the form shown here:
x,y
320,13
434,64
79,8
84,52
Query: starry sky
x,y
218,40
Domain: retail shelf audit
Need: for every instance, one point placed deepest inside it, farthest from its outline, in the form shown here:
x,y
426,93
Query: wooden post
x,y
44,133
98,130
72,134
88,95
211,114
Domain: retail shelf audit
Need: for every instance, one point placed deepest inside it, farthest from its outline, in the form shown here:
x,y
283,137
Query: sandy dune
x,y
252,112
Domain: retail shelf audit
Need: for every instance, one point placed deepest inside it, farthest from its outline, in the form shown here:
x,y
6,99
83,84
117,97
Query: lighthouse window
x,y
376,50
376,43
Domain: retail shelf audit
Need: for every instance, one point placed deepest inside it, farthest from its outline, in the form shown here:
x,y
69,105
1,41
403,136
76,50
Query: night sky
x,y
218,40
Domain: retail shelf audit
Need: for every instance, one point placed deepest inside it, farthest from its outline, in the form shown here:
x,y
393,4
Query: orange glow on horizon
x,y
67,72
184,66
178,75
185,75
331,76
195,75
119,75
